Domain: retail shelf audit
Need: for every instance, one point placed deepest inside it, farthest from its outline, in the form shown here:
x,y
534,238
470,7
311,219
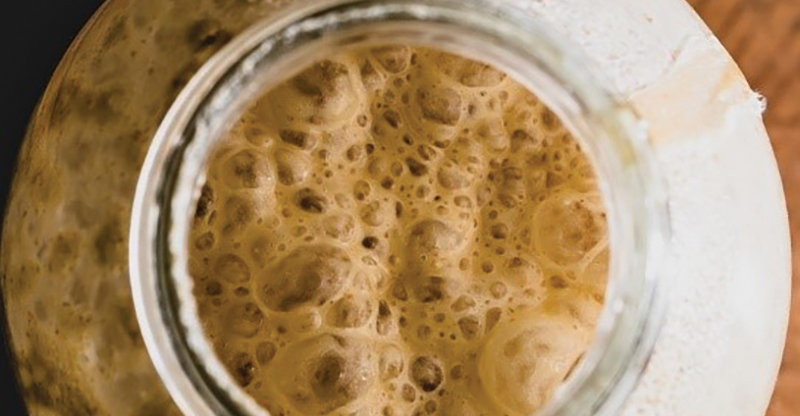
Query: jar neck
x,y
275,49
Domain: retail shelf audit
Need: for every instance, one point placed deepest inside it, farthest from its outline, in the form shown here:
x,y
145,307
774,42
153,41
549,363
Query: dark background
x,y
34,34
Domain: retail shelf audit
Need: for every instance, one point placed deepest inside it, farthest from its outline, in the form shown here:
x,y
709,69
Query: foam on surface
x,y
410,231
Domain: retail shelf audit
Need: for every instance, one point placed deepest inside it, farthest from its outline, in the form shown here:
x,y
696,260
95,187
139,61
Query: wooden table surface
x,y
764,38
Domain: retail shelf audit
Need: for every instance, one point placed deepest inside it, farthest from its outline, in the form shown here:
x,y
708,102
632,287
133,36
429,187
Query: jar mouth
x,y
275,49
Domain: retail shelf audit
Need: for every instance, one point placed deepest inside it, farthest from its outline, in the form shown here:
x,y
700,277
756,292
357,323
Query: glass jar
x,y
66,243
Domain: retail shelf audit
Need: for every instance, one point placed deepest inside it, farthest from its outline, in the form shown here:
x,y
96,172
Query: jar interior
x,y
246,229
399,228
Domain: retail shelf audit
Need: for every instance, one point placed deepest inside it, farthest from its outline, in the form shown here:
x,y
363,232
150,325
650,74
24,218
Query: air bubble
x,y
257,136
399,292
498,290
307,321
340,227
462,201
492,318
205,241
453,178
372,214
469,327
430,289
429,235
499,231
416,168
350,312
371,79
299,139
558,282
549,120
361,190
213,288
430,407
384,323
427,153
321,94
393,58
391,362
243,369
370,242
247,170
457,372
409,393
232,268
238,214
293,167
206,202
244,319
426,373
309,275
355,153
441,105
567,228
265,352
463,303
311,201
393,119
523,141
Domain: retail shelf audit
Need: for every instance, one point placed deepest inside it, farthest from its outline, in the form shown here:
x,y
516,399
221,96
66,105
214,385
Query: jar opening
x,y
275,50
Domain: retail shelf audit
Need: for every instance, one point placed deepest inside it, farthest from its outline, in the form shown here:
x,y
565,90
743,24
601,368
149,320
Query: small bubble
x,y
232,268
370,242
558,282
213,288
498,290
409,393
416,168
430,407
310,201
244,369
205,241
492,318
361,190
299,139
457,372
265,352
499,231
399,292
469,327
426,373
463,303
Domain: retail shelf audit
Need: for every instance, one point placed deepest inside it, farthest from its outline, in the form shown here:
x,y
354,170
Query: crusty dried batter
x,y
399,231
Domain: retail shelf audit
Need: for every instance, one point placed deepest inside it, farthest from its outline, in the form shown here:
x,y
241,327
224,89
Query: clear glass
x,y
271,51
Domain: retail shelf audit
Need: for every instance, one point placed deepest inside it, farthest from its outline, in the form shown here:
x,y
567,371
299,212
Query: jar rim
x,y
521,46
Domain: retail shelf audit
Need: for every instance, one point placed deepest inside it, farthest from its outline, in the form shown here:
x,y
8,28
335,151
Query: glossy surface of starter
x,y
399,229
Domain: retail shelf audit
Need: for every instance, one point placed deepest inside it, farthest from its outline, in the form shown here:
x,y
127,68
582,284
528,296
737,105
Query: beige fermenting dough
x,y
399,229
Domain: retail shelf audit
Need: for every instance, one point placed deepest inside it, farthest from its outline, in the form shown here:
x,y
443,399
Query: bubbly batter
x,y
400,231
